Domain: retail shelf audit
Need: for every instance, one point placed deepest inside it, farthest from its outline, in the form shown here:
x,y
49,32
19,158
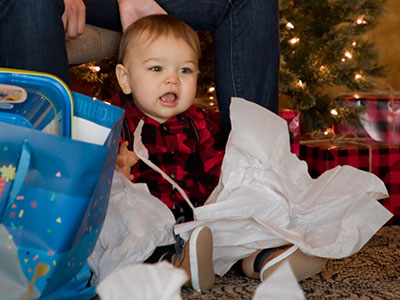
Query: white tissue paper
x,y
136,223
160,281
266,198
280,285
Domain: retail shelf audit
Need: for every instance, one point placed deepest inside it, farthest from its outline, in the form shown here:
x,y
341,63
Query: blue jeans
x,y
246,41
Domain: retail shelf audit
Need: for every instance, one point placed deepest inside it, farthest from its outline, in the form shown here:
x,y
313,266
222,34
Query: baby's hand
x,y
125,160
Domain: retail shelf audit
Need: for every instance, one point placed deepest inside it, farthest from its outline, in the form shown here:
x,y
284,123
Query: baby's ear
x,y
123,78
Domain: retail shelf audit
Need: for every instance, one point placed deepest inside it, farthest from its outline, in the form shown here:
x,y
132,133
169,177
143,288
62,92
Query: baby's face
x,y
162,76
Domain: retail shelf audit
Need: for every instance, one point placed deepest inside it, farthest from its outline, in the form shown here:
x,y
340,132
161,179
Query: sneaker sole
x,y
201,265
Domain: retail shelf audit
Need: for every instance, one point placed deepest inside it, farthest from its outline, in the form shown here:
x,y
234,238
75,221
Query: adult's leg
x,y
246,45
247,52
103,13
32,36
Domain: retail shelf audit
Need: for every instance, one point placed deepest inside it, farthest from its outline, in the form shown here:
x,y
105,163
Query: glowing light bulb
x,y
294,40
361,21
357,76
343,59
211,97
348,55
289,26
334,112
94,69
354,44
322,68
211,89
300,84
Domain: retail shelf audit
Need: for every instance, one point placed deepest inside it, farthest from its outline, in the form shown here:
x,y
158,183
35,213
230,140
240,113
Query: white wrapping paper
x,y
280,285
266,198
160,281
136,223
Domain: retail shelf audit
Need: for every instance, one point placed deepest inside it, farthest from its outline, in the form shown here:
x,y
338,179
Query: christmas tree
x,y
323,45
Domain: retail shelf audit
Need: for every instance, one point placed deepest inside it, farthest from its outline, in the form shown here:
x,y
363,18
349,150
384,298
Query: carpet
x,y
372,273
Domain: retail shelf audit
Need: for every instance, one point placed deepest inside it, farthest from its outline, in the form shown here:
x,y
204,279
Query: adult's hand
x,y
74,18
131,10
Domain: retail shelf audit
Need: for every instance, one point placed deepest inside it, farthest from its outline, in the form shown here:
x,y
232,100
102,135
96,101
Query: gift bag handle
x,y
22,170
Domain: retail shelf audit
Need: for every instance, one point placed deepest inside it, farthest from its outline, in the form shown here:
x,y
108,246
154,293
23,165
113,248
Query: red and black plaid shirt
x,y
184,147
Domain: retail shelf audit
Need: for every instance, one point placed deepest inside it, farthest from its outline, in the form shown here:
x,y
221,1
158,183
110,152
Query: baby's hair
x,y
155,26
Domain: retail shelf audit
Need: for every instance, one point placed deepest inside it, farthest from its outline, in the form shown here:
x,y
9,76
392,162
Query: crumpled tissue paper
x,y
266,198
161,281
136,223
280,285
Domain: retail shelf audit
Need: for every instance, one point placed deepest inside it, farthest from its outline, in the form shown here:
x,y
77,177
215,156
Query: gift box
x,y
379,117
292,117
365,154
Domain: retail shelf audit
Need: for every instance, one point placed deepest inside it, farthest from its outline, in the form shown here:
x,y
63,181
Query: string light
x,y
334,112
211,89
322,68
328,131
348,55
357,76
354,44
361,21
94,69
300,84
294,40
289,26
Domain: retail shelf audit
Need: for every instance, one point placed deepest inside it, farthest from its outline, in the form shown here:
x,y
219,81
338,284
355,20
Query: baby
x,y
158,68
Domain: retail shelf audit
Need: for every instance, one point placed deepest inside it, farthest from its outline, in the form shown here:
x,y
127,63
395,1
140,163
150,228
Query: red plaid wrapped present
x,y
380,118
292,117
365,154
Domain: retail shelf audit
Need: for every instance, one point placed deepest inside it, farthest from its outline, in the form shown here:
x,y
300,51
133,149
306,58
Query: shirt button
x,y
164,128
172,175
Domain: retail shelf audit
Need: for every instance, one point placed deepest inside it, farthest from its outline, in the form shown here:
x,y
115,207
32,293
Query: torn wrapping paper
x,y
136,223
266,198
161,281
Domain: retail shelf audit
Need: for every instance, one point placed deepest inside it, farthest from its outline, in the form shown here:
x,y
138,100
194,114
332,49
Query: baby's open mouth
x,y
169,97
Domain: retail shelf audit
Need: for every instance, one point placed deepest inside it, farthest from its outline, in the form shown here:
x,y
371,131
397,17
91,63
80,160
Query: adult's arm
x,y
131,10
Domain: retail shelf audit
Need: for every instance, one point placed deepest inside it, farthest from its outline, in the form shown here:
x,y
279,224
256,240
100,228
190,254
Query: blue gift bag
x,y
54,193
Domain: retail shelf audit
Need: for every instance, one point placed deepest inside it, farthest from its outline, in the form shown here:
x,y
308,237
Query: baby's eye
x,y
186,70
156,69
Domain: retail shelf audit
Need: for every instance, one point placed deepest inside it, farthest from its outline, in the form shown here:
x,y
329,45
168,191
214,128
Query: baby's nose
x,y
172,79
